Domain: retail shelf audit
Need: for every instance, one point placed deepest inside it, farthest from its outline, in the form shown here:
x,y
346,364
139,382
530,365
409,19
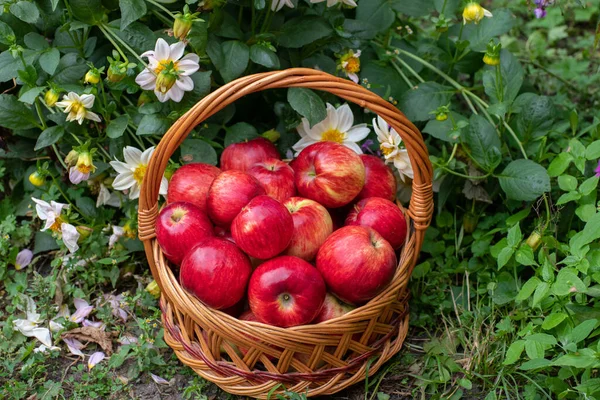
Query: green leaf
x,y
198,37
553,320
528,288
44,242
443,130
49,136
26,11
152,124
568,282
384,79
582,331
567,183
593,151
512,79
195,150
536,117
308,104
29,96
416,8
419,102
136,35
10,66
483,142
514,352
480,35
588,186
201,81
7,35
575,360
540,293
560,164
589,387
534,349
49,60
131,10
240,132
263,56
87,206
514,236
524,180
543,338
299,32
71,69
14,114
35,41
89,11
235,59
378,13
535,364
117,126
505,256
524,255
590,232
567,197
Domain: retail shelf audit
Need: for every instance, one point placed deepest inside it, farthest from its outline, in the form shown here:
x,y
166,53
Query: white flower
x,y
51,213
336,127
83,309
105,197
118,232
131,172
277,5
78,107
350,64
29,326
43,348
23,259
331,3
95,359
168,74
390,145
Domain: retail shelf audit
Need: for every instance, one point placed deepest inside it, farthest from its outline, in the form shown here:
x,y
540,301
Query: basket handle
x,y
421,203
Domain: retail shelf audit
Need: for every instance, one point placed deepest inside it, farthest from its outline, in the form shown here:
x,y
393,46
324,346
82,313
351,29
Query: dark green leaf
x,y
301,31
524,180
419,102
378,13
384,79
137,35
582,331
235,59
49,136
240,132
536,117
29,96
14,114
131,10
89,11
511,79
198,37
49,60
480,35
35,41
201,88
87,206
415,8
71,69
308,104
483,142
195,150
44,242
10,66
263,56
26,11
7,35
117,126
152,124
443,130
360,29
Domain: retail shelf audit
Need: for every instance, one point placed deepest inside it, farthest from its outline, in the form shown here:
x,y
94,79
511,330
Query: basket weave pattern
x,y
253,359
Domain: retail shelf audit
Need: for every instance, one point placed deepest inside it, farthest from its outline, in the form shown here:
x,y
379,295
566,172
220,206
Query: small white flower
x,y
51,214
168,74
131,172
336,127
74,346
83,309
118,232
390,145
350,64
78,107
331,3
29,326
277,5
105,197
23,259
95,359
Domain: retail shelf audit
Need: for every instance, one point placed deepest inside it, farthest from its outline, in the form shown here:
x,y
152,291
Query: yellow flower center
x,y
139,172
77,106
353,65
473,12
333,135
163,64
55,227
386,150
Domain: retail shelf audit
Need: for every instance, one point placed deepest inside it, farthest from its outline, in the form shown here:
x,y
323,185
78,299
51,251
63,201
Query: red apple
x,y
312,225
228,194
276,177
191,182
356,263
248,315
223,233
379,179
263,228
179,227
329,173
383,216
216,272
235,310
332,308
286,291
242,156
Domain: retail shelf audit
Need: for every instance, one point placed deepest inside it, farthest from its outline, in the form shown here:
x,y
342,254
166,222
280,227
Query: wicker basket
x,y
314,359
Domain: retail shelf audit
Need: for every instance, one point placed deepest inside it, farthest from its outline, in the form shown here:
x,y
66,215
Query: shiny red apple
x,y
179,227
379,179
332,308
286,291
312,225
276,177
356,263
216,271
242,156
329,173
228,194
263,228
383,216
191,182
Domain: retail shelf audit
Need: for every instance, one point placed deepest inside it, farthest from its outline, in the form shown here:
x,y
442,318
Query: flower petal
x,y
159,380
43,335
176,93
132,156
164,186
23,259
92,116
120,167
88,100
70,236
353,146
146,79
95,359
176,51
345,118
74,346
124,181
134,192
185,83
358,133
162,50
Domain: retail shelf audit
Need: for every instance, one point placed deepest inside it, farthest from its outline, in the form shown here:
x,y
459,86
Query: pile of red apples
x,y
283,244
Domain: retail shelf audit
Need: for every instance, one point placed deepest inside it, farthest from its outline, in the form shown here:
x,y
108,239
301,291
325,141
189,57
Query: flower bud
x,y
153,289
92,76
51,97
85,164
165,81
72,157
534,240
182,26
441,117
36,179
272,135
473,12
492,54
470,221
84,232
144,98
116,73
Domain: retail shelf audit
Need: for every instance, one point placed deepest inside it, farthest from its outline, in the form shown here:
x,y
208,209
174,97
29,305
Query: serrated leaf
x,y
308,104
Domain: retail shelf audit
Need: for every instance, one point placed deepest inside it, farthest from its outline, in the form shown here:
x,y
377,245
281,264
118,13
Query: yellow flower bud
x,y
473,12
165,81
441,117
153,289
51,97
85,164
491,60
271,135
182,26
72,157
36,179
92,76
84,232
116,73
534,240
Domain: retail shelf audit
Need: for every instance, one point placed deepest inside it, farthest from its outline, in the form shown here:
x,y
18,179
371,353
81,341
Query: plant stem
x,y
107,28
463,175
116,46
410,69
163,8
403,75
